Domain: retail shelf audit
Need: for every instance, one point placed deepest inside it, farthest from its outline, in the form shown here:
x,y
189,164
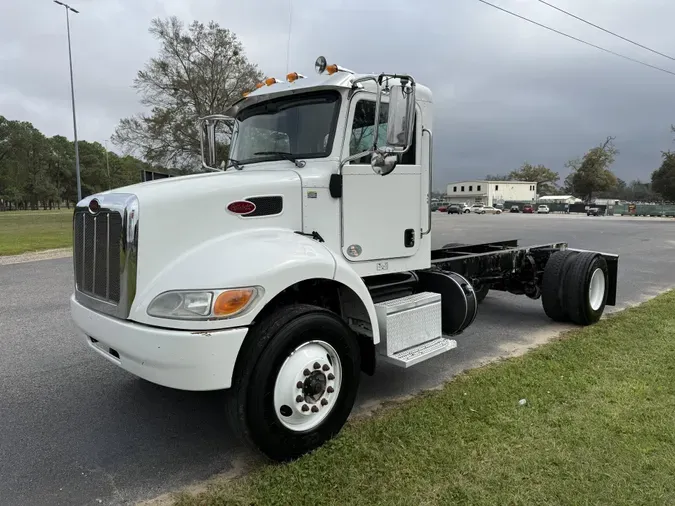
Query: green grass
x,y
598,428
23,231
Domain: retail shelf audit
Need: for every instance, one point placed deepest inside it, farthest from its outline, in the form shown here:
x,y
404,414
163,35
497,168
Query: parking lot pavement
x,y
76,429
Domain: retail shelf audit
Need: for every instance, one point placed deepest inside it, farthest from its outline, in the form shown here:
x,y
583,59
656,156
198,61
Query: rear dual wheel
x,y
575,287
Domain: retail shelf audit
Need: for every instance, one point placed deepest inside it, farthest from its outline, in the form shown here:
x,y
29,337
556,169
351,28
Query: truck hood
x,y
179,214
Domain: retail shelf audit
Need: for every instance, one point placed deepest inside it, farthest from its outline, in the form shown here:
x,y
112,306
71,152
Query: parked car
x,y
454,209
477,208
514,209
527,208
491,210
542,209
593,211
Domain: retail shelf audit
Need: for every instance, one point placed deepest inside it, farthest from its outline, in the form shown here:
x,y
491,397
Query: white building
x,y
559,199
491,193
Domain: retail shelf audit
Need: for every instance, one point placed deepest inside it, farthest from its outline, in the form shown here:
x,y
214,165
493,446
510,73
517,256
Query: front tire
x,y
296,381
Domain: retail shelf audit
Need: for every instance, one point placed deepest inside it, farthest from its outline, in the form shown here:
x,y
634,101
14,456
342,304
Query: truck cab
x,y
300,258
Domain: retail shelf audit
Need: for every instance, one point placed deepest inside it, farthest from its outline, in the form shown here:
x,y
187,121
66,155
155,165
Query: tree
x,y
591,174
540,174
199,71
663,178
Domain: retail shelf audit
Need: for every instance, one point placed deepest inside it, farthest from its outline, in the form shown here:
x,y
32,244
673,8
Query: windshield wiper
x,y
284,154
234,163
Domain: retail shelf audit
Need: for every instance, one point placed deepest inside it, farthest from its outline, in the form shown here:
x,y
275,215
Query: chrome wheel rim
x,y
596,289
307,386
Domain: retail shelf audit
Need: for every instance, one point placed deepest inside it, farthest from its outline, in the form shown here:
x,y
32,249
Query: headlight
x,y
203,305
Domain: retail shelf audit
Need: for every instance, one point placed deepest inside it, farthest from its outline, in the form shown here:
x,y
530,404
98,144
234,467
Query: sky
x,y
505,91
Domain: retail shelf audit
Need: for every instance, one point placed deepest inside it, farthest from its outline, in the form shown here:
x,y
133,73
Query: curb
x,y
34,256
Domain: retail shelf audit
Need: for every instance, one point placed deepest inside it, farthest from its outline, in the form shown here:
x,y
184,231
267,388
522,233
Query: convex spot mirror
x,y
383,163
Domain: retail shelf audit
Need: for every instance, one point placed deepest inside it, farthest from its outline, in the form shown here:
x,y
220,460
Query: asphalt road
x,y
77,430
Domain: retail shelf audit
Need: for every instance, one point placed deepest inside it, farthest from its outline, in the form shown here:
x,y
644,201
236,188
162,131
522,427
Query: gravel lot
x,y
77,430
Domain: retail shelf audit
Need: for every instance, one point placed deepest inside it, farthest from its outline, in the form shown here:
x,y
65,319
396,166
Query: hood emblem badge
x,y
241,207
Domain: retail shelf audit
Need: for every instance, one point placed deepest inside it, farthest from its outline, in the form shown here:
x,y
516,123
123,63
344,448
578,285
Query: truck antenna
x,y
290,26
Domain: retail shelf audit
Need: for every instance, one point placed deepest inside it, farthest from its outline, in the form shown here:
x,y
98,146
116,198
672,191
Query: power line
x,y
606,31
577,39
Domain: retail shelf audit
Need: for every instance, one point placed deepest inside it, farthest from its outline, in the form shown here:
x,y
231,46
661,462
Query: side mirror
x,y
215,135
401,113
383,163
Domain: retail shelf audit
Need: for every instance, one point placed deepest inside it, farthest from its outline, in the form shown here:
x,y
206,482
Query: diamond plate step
x,y
421,352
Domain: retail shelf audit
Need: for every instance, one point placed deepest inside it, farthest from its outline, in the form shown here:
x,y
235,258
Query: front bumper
x,y
200,360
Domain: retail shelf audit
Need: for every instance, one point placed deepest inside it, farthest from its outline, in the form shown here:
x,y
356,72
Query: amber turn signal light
x,y
232,301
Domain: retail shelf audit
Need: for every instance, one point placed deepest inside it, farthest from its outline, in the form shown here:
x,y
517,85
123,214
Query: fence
x,y
645,210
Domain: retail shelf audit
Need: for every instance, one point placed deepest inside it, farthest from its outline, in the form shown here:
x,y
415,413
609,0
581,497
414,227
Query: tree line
x,y
591,176
39,171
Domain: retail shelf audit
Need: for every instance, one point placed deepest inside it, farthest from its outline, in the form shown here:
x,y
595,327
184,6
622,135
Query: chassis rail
x,y
507,267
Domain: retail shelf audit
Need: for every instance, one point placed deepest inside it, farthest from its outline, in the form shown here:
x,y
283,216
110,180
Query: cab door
x,y
381,215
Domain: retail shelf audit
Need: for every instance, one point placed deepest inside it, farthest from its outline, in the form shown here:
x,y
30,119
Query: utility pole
x,y
69,9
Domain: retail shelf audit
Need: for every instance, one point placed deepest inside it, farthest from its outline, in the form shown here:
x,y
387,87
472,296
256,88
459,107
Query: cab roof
x,y
339,80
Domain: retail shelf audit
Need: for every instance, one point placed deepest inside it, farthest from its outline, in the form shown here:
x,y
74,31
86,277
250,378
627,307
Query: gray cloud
x,y
505,91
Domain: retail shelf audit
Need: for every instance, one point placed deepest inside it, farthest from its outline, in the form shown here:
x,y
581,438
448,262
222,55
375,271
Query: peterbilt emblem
x,y
94,206
241,207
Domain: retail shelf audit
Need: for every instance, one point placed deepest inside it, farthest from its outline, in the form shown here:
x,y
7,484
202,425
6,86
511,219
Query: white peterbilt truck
x,y
301,260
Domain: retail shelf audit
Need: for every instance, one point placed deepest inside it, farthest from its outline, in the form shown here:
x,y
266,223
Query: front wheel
x,y
297,382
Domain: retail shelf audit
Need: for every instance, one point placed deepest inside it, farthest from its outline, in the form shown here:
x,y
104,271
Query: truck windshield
x,y
299,126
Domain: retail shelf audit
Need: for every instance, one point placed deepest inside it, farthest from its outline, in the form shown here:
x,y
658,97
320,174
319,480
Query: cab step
x,y
420,353
410,329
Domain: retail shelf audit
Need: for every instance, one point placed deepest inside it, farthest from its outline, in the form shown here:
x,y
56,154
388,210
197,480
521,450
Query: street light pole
x,y
68,9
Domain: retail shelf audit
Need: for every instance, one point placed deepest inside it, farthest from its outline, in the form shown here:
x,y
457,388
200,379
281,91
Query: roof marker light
x,y
270,81
294,76
259,85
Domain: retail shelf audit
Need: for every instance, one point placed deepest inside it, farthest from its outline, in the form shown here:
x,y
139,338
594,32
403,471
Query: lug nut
x,y
299,384
305,407
317,365
306,372
325,367
324,402
315,409
331,376
299,398
330,390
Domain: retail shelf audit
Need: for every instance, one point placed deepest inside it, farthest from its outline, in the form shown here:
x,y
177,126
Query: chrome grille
x,y
105,252
97,246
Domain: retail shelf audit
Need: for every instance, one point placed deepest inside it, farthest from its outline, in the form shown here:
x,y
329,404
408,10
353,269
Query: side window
x,y
478,188
462,188
496,187
361,138
471,188
454,189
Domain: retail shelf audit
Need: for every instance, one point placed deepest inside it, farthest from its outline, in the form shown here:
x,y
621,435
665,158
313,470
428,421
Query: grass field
x,y
23,231
597,428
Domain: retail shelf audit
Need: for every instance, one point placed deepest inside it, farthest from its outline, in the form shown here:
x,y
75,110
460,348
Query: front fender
x,y
271,258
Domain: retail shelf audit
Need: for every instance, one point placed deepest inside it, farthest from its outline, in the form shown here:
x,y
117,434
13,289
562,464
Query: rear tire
x,y
553,287
274,404
586,286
